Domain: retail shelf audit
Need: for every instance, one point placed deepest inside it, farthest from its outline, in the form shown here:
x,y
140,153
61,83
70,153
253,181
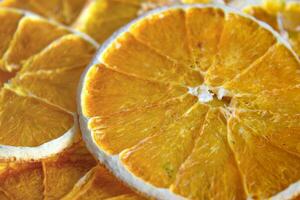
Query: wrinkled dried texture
x,y
20,126
99,184
233,136
64,11
32,35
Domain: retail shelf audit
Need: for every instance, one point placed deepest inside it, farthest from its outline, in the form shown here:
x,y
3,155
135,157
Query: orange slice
x,y
282,16
73,174
64,11
180,108
97,184
41,63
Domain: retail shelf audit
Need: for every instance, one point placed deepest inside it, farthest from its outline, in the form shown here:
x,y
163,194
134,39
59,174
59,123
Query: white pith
x,y
57,145
113,161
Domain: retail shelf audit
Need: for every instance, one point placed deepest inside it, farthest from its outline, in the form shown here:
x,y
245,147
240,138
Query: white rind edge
x,y
51,21
59,144
43,151
113,163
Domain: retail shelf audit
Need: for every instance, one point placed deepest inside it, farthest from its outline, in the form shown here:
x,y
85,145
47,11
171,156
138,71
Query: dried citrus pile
x,y
39,77
173,109
40,66
196,102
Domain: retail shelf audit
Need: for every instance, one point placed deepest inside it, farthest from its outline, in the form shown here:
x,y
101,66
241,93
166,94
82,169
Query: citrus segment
x,y
101,18
64,11
242,42
277,69
69,51
130,56
30,127
122,130
211,164
257,156
288,99
109,91
42,62
57,87
168,27
23,181
159,163
61,173
204,41
10,21
33,34
285,135
260,13
97,184
285,20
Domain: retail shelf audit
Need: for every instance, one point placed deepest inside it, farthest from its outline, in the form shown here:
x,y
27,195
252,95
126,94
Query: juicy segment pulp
x,y
171,103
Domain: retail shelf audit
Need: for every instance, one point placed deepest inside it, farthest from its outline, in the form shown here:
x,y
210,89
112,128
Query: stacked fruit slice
x,y
71,175
39,76
283,17
41,64
181,111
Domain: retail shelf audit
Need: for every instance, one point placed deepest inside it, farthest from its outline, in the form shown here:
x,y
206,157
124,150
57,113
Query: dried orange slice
x,y
284,18
99,18
180,108
72,174
41,63
63,11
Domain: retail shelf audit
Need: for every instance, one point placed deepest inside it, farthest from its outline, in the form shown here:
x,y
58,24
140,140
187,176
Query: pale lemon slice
x,y
180,108
41,62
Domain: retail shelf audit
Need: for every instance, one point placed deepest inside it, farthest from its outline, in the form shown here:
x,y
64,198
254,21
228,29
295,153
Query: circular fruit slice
x,y
40,67
196,102
72,174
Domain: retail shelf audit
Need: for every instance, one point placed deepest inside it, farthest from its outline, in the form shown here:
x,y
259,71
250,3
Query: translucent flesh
x,y
242,42
31,37
204,41
243,143
109,91
21,126
125,129
69,51
165,150
57,87
130,56
264,146
211,164
288,99
277,69
165,32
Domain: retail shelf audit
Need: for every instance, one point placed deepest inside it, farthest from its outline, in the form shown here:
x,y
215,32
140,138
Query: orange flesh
x,y
247,104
